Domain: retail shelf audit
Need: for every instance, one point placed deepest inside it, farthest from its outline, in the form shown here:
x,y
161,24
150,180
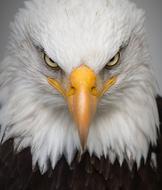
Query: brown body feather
x,y
90,173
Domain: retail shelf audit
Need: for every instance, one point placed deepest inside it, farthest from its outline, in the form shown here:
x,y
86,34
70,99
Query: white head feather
x,y
73,32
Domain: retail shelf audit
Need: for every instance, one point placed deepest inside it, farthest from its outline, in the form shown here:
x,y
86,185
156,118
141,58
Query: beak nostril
x,y
73,88
71,91
94,90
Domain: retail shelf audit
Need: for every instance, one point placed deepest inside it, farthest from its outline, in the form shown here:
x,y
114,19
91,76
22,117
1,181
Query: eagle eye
x,y
50,62
114,61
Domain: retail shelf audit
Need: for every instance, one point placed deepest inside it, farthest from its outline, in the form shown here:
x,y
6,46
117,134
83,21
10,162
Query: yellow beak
x,y
82,102
82,97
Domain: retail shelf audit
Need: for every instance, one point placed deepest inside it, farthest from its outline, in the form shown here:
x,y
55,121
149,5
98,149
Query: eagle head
x,y
76,78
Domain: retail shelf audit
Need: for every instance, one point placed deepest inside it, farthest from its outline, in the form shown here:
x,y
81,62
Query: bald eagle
x,y
79,105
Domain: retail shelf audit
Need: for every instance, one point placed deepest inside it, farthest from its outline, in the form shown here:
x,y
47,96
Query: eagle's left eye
x,y
114,61
50,62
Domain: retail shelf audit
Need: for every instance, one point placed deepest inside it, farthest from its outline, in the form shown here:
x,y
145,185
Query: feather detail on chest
x,y
85,172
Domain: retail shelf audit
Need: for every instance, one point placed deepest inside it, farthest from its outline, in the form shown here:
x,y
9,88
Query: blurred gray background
x,y
153,23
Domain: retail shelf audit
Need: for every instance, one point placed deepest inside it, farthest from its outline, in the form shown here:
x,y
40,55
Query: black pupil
x,y
112,59
51,60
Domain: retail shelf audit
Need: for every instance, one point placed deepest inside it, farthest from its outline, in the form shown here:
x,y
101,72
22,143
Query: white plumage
x,y
75,32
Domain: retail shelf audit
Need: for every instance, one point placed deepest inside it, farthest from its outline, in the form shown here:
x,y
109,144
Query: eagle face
x,y
76,77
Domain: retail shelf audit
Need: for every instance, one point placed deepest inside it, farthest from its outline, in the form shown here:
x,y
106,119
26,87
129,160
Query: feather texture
x,y
85,173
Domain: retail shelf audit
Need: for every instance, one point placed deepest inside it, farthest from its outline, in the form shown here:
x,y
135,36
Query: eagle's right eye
x,y
114,61
50,62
